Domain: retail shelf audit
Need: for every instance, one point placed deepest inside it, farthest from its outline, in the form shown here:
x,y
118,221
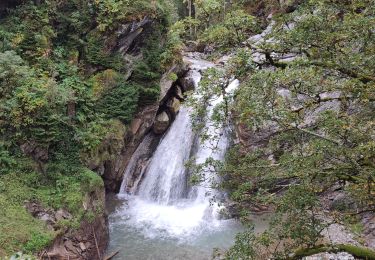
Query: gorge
x,y
187,129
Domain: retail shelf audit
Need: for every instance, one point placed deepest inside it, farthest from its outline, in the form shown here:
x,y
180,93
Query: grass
x,y
19,231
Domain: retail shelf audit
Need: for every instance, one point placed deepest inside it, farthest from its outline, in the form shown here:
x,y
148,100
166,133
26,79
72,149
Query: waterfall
x,y
215,148
166,177
164,202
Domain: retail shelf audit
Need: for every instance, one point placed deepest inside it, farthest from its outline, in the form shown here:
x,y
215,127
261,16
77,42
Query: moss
x,y
104,81
302,252
172,76
357,251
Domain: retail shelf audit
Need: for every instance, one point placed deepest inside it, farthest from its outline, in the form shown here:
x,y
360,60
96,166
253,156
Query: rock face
x,y
168,84
156,117
140,126
178,93
129,32
162,123
37,152
88,242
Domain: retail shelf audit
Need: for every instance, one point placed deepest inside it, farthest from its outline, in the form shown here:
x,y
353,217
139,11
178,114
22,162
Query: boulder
x,y
166,83
174,106
62,214
161,124
187,82
178,92
327,96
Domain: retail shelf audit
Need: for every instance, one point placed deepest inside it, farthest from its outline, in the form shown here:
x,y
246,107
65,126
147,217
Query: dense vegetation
x,y
67,93
69,89
314,115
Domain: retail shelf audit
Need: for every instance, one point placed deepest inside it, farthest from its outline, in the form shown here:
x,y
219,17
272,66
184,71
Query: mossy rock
x,y
104,81
357,251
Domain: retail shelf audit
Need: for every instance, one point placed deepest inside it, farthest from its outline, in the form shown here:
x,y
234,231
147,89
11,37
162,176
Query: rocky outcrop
x,y
157,117
89,241
174,106
129,32
140,126
368,223
187,82
162,123
169,84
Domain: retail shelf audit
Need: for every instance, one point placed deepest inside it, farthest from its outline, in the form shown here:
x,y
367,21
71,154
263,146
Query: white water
x,y
166,177
165,213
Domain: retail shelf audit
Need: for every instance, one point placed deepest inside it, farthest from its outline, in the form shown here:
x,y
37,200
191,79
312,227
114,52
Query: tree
x,y
308,122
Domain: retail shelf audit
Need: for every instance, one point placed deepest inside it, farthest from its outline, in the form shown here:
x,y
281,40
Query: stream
x,y
162,216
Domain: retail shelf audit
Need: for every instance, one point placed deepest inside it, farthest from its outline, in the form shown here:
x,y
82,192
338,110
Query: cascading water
x,y
166,178
165,218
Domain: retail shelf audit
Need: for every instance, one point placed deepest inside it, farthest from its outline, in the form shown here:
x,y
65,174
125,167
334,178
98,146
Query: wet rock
x,y
140,126
174,106
230,210
187,82
178,93
166,83
162,123
208,49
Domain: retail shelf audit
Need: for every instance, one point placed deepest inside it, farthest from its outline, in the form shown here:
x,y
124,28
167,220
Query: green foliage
x,y
6,160
358,251
298,140
244,247
121,103
21,231
37,242
63,95
97,54
174,45
232,31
